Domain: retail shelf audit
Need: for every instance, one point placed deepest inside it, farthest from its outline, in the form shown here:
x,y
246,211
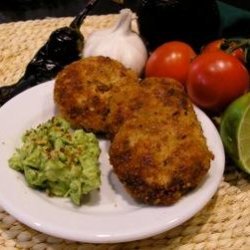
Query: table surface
x,y
20,10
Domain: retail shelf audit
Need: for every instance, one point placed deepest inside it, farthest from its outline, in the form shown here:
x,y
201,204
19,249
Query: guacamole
x,y
59,160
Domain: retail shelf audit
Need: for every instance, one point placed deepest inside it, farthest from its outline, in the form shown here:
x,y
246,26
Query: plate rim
x,y
108,238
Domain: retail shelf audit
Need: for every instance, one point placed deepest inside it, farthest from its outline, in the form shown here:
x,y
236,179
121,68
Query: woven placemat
x,y
223,224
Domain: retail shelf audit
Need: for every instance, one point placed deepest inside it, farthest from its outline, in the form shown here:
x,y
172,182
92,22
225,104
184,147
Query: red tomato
x,y
171,59
220,45
215,79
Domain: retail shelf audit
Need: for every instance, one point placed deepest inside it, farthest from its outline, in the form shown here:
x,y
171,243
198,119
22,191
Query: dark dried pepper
x,y
63,47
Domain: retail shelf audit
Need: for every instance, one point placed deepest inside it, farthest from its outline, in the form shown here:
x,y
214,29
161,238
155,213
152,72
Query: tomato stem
x,y
236,44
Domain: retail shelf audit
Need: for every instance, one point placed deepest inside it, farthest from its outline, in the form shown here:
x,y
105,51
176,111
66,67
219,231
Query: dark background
x,y
20,10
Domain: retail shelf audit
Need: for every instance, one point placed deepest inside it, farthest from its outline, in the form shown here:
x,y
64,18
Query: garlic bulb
x,y
119,43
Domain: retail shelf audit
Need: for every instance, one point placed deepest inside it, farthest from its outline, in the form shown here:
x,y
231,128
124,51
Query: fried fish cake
x,y
83,90
160,153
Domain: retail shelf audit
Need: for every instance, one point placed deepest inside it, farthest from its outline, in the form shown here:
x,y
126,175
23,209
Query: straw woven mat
x,y
223,224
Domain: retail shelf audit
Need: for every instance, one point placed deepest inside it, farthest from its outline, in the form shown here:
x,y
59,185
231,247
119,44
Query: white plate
x,y
107,217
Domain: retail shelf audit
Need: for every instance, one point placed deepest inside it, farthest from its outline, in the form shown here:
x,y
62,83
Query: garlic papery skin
x,y
119,43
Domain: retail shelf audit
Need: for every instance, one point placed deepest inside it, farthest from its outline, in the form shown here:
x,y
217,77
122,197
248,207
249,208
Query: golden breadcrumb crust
x,y
83,90
158,149
160,153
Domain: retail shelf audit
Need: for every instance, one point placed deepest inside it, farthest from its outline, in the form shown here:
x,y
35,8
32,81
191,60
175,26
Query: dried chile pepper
x,y
63,47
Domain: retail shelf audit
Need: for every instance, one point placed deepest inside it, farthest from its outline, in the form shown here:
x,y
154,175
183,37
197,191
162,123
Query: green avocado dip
x,y
59,160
